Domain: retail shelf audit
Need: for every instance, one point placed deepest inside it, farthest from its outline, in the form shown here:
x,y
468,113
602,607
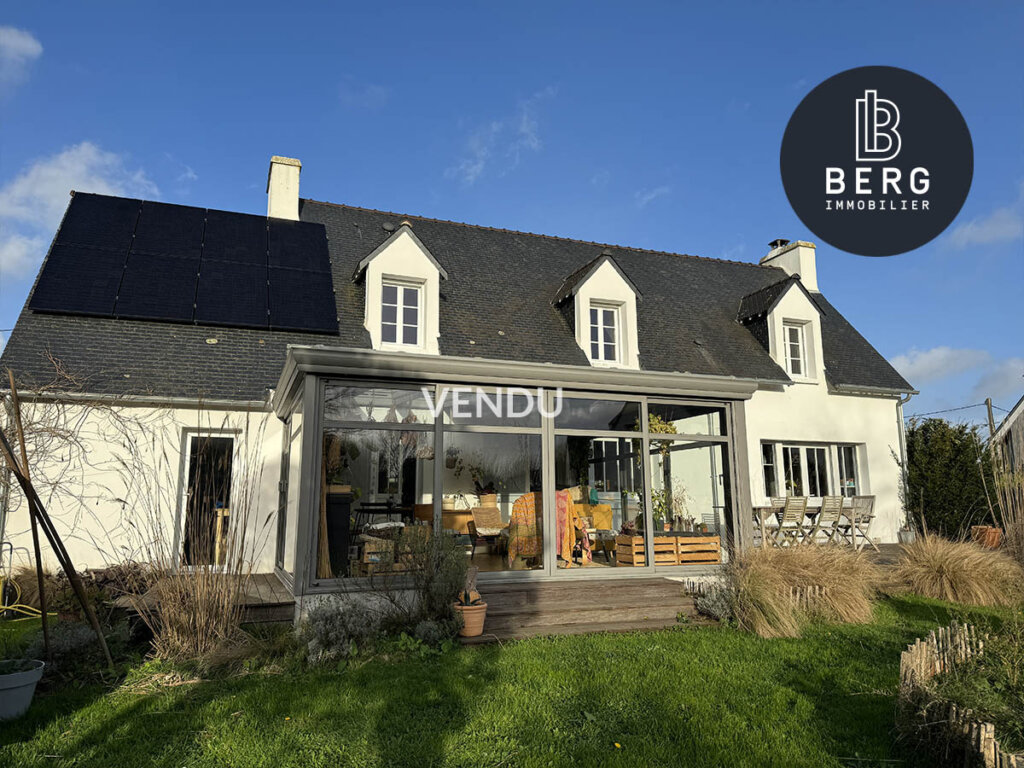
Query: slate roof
x,y
496,303
763,301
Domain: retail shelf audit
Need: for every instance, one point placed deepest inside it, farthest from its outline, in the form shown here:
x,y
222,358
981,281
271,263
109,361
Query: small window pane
x,y
609,335
771,486
409,334
686,419
490,409
390,294
581,413
389,314
378,404
609,351
412,297
389,333
593,316
595,349
609,317
595,333
410,316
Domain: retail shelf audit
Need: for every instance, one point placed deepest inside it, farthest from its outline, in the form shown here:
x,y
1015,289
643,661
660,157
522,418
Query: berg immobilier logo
x,y
877,161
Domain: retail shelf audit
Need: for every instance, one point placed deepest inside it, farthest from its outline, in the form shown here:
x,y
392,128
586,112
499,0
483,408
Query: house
x,y
309,378
1008,439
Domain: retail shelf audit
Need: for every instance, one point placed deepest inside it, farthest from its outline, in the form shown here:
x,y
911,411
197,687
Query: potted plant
x,y
18,680
473,610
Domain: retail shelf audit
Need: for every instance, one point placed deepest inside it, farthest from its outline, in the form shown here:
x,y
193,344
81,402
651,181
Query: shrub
x,y
335,628
193,614
960,572
764,583
716,601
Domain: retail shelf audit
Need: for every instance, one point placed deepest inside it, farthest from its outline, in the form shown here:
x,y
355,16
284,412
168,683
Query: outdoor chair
x,y
854,529
827,521
486,527
791,526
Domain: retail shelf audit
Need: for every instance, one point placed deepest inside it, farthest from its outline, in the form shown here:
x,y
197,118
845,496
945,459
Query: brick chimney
x,y
283,188
796,258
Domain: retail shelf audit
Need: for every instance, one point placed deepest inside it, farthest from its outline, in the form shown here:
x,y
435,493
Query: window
x,y
771,482
796,358
400,314
604,333
848,470
808,470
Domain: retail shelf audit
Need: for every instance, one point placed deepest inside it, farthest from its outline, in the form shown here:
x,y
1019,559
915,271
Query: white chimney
x,y
283,188
796,258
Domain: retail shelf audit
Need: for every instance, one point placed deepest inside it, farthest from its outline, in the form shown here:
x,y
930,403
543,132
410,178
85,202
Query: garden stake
x,y
16,409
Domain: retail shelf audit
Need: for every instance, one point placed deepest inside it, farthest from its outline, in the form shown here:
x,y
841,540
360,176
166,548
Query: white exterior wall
x,y
121,496
806,412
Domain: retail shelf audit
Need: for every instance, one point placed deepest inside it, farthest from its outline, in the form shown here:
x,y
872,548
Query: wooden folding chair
x,y
791,525
858,522
827,521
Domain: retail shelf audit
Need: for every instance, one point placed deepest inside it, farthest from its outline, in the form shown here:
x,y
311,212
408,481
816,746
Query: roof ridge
x,y
786,279
539,234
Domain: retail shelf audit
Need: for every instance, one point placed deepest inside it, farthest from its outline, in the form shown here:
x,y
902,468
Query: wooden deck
x,y
264,599
581,606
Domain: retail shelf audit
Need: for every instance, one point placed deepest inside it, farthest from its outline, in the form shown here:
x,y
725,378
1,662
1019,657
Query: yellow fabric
x,y
524,538
601,514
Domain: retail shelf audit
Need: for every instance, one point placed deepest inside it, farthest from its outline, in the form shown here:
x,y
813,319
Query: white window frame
x,y
617,314
845,490
780,451
402,285
802,358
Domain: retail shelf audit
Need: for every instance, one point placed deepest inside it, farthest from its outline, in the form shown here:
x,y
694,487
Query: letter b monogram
x,y
877,137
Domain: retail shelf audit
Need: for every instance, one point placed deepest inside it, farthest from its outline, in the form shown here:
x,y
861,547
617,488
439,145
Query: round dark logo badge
x,y
877,161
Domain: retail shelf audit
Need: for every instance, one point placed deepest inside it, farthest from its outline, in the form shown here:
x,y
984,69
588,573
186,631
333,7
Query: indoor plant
x,y
473,610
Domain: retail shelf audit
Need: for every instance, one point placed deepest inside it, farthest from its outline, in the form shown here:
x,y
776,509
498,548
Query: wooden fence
x,y
924,659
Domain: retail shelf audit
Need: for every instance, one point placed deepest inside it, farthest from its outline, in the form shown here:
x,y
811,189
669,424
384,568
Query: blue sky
x,y
641,124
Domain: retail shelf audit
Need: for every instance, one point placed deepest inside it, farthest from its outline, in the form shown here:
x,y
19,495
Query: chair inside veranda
x,y
487,527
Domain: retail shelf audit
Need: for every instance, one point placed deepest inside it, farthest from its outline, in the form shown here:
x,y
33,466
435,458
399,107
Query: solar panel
x,y
237,237
299,245
232,294
100,221
79,280
158,287
302,300
172,229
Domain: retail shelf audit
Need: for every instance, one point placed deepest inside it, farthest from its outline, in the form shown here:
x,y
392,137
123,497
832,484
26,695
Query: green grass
x,y
686,697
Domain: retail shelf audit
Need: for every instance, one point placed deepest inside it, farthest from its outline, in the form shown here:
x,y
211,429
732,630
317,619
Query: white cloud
x,y
1004,381
920,366
600,179
1003,225
18,49
502,141
32,203
358,95
188,175
645,196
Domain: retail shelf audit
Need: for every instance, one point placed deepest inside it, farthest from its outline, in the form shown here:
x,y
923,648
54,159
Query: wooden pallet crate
x,y
679,549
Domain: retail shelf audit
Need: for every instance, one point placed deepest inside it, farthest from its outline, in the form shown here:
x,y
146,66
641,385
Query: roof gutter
x,y
861,389
364,363
138,401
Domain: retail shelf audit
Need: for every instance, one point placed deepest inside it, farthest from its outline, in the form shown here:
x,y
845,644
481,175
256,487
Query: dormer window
x,y
605,324
603,312
401,316
403,293
795,349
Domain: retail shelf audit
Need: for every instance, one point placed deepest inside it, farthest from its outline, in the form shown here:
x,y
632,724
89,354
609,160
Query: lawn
x,y
692,696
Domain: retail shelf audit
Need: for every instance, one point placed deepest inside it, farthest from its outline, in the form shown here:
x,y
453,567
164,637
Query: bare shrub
x,y
959,572
765,582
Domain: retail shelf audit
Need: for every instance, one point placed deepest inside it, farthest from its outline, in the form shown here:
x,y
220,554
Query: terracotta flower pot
x,y
987,536
472,619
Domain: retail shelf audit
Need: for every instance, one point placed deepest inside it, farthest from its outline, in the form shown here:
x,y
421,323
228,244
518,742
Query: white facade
x,y
807,414
114,483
